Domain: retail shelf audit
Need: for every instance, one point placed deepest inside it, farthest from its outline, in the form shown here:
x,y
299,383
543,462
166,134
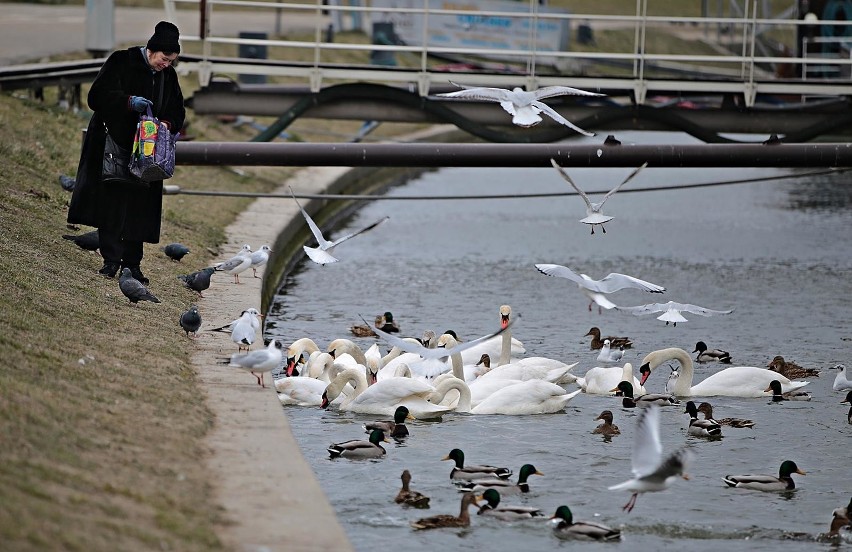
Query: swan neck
x,y
459,385
505,348
458,365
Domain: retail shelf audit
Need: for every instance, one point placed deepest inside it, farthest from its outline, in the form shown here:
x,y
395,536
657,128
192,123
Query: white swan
x,y
503,347
297,351
307,390
527,397
383,397
738,381
602,380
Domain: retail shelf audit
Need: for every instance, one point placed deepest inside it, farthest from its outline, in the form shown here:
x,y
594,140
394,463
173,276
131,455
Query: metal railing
x,y
747,53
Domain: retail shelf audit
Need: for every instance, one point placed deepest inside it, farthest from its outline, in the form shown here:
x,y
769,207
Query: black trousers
x,y
116,250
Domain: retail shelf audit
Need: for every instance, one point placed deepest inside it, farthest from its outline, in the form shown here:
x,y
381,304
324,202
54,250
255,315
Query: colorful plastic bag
x,y
153,155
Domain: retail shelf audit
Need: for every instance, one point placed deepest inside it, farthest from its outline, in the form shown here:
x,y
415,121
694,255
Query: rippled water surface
x,y
777,252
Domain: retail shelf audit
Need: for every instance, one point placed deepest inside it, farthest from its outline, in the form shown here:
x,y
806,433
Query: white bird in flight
x,y
672,311
596,290
523,106
322,253
651,472
594,216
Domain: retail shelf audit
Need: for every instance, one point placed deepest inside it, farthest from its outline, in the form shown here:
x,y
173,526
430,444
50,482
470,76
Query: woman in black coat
x,y
127,214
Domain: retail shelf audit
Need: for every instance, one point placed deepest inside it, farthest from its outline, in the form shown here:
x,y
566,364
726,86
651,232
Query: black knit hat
x,y
165,38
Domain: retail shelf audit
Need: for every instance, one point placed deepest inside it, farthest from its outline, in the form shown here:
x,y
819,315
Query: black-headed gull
x,y
258,362
594,216
523,106
432,365
608,354
651,472
259,258
237,264
672,311
322,253
596,290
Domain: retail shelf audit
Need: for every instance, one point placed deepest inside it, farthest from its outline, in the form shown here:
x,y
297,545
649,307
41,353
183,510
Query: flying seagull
x,y
594,216
322,253
672,311
523,106
596,290
651,472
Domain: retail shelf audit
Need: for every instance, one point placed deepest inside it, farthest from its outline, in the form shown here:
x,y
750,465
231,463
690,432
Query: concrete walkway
x,y
270,497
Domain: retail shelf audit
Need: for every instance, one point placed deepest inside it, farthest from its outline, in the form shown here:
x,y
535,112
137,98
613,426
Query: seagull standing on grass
x,y
258,362
594,216
596,290
651,472
322,253
523,106
672,311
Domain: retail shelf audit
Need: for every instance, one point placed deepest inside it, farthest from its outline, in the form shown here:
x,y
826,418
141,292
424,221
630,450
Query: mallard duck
x,y
394,428
838,521
614,341
407,497
733,422
447,520
784,481
607,427
791,370
841,381
505,513
469,473
565,527
711,355
848,401
386,323
359,448
625,389
364,330
505,487
778,396
701,428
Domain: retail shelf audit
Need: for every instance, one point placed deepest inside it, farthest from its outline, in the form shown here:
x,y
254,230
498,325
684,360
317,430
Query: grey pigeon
x,y
190,321
67,182
88,241
175,251
133,288
198,281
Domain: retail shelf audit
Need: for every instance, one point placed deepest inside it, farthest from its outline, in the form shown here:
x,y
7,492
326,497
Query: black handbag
x,y
116,163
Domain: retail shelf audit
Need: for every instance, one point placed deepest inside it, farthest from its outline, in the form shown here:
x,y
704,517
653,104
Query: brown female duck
x,y
607,427
448,520
614,341
791,370
407,497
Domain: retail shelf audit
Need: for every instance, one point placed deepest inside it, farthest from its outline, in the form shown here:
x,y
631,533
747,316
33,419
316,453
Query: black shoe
x,y
109,270
136,272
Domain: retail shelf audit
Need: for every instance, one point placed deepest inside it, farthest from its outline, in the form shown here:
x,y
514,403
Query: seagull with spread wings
x,y
651,472
672,311
523,106
322,253
594,216
596,290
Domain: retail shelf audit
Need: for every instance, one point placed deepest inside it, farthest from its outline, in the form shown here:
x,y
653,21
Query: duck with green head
x,y
565,527
784,481
492,508
395,428
359,448
625,389
469,473
779,396
503,486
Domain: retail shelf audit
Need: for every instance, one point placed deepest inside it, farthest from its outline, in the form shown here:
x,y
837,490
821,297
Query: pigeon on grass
x,y
133,289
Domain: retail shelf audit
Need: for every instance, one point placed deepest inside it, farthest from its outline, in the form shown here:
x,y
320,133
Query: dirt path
x,y
269,495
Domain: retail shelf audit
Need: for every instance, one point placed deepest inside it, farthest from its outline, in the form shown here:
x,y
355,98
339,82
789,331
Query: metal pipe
x,y
512,155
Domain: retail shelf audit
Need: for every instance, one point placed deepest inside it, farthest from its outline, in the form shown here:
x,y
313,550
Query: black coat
x,y
133,212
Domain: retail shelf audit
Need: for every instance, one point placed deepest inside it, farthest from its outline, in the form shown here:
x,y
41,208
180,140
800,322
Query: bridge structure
x,y
715,69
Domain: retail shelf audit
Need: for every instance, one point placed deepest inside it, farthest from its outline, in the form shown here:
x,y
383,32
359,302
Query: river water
x,y
778,252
